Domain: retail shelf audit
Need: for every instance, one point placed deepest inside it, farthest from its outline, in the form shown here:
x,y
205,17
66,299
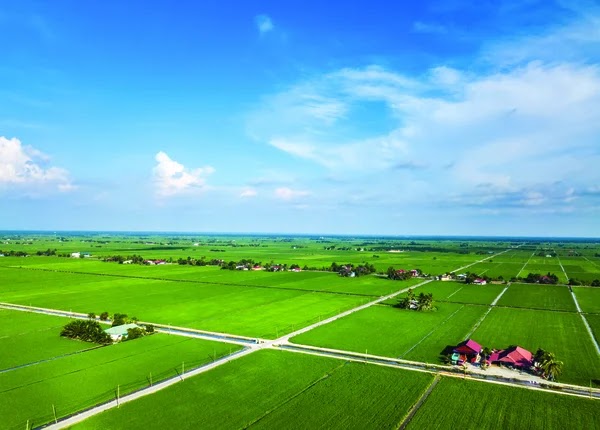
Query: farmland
x,y
501,407
75,382
588,299
272,388
530,296
560,332
387,331
28,338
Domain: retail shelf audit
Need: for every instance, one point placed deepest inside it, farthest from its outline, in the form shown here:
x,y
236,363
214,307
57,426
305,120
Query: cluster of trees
x,y
202,261
422,302
536,278
47,252
543,253
547,364
87,330
348,269
594,283
400,275
12,253
135,259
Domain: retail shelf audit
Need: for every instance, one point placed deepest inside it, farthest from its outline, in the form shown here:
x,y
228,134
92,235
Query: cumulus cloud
x,y
288,194
172,178
248,192
26,168
264,23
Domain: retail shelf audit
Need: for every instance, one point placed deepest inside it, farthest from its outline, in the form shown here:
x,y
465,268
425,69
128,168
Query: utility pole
x,y
150,378
118,393
182,369
54,412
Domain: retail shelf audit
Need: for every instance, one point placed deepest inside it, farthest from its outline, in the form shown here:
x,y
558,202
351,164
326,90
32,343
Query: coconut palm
x,y
551,367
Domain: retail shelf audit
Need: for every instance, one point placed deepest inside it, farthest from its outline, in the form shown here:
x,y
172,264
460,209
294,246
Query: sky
x,y
365,117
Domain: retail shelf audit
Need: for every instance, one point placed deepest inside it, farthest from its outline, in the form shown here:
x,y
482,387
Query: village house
x,y
119,332
480,281
466,352
515,356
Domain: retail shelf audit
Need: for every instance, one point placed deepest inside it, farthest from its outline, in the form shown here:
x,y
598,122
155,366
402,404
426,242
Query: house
x,y
514,356
462,276
257,267
296,269
119,332
75,254
445,277
127,261
468,351
414,272
480,281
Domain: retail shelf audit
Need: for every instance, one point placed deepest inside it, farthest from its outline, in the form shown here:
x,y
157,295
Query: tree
x,y
86,330
104,316
551,366
92,316
119,319
135,333
547,362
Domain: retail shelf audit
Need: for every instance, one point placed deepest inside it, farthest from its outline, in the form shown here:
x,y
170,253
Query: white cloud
x,y
287,194
25,168
248,192
172,178
264,23
515,130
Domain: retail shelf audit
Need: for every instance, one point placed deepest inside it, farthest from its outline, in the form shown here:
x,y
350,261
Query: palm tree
x,y
551,366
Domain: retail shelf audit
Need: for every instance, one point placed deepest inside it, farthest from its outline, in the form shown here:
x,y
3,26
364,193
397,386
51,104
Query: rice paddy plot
x,y
28,338
594,323
77,382
255,312
391,332
538,296
497,269
588,299
457,292
545,268
471,405
562,333
276,389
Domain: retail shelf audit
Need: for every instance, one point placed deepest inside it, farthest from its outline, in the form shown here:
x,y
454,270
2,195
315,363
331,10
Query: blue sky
x,y
443,117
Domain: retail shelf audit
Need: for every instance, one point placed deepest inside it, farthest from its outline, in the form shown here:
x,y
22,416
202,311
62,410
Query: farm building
x,y
514,356
119,332
480,281
467,351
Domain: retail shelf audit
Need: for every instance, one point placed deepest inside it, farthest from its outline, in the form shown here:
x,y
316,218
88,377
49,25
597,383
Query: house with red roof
x,y
467,351
514,356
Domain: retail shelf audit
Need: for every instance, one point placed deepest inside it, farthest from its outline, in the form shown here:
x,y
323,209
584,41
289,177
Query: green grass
x,y
594,323
27,338
80,381
588,299
562,333
257,312
538,296
276,389
477,405
387,331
